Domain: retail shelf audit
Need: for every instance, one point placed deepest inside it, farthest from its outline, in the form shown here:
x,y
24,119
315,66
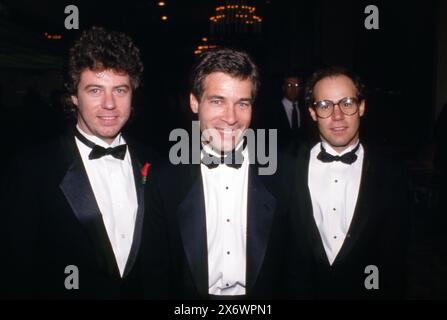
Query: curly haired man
x,y
73,218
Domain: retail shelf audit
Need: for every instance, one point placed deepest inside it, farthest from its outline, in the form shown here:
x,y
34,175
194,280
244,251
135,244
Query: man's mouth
x,y
108,117
230,132
339,129
108,120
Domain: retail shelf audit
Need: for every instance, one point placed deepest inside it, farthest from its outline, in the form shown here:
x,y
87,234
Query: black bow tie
x,y
232,160
348,158
118,152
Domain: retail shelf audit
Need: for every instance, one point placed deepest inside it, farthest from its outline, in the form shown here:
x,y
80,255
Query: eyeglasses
x,y
324,108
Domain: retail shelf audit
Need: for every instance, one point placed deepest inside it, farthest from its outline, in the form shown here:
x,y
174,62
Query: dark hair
x,y
332,72
98,49
236,63
288,75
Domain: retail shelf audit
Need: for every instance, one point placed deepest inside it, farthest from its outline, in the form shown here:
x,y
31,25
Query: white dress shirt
x,y
334,189
225,191
113,185
288,108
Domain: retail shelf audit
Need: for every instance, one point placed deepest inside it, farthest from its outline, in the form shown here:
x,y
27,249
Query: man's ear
x,y
313,114
193,103
74,99
362,108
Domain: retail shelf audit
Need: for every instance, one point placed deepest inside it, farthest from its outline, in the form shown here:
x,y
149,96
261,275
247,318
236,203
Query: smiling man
x,y
215,232
350,205
74,219
224,110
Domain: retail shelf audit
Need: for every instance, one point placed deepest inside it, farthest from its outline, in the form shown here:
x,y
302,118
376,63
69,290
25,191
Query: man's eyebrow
x,y
93,86
215,97
122,85
245,100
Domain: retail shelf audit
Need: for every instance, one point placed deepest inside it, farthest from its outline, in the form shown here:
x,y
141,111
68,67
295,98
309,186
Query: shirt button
x,y
226,188
228,220
227,285
228,252
123,236
335,180
334,209
335,237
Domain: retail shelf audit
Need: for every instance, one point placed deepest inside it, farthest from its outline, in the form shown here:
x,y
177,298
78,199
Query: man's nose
x,y
109,101
230,114
337,114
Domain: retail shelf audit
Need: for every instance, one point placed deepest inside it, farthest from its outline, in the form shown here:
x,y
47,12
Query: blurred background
x,y
403,63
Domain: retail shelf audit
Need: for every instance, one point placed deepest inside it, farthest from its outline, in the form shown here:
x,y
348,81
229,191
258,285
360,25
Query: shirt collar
x,y
210,150
286,102
331,150
116,142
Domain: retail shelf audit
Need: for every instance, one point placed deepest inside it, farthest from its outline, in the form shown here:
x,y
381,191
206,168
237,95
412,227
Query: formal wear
x,y
349,217
113,184
213,232
62,209
225,195
292,112
334,188
291,120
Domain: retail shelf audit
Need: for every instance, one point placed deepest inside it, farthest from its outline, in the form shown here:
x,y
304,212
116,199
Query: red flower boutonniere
x,y
144,172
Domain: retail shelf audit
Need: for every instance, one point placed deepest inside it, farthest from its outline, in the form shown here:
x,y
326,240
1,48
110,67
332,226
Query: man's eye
x,y
244,105
347,103
216,101
323,105
121,91
94,91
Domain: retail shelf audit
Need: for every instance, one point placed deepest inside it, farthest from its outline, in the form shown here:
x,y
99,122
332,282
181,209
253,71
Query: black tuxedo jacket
x,y
175,250
378,234
52,221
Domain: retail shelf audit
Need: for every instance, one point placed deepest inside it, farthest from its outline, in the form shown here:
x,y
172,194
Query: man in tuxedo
x,y
74,206
287,116
350,205
215,228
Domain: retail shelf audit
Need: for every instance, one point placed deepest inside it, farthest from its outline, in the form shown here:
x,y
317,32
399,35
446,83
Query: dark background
x,y
403,65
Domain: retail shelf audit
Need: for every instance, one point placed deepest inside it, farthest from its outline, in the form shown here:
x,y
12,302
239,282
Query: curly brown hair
x,y
99,49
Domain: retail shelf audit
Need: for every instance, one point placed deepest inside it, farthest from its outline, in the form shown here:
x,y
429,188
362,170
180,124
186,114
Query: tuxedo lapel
x,y
261,206
305,207
79,194
192,224
362,211
139,188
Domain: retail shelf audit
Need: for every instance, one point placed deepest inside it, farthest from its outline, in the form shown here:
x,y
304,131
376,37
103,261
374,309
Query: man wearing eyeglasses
x,y
349,207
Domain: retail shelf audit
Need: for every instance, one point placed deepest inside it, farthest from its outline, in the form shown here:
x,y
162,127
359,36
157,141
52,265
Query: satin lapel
x,y
192,224
139,188
261,206
305,207
362,210
79,194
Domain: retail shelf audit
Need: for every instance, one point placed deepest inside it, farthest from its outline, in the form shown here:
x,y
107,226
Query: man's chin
x,y
339,143
223,147
108,136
